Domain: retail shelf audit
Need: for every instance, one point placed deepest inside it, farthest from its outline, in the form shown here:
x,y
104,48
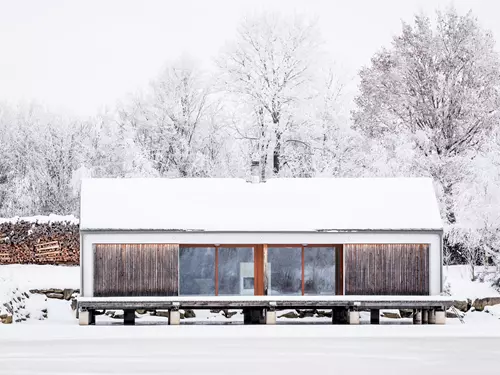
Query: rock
x,y
406,313
140,312
7,320
53,290
67,293
73,304
290,315
228,314
463,305
480,303
306,313
323,314
3,316
215,311
163,313
189,314
55,295
391,314
454,314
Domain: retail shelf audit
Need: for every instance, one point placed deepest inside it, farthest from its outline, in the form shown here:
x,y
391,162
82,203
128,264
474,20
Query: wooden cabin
x,y
283,237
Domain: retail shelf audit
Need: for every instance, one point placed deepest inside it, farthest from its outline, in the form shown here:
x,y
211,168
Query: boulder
x,y
189,314
3,316
391,314
67,294
55,295
7,320
290,315
323,314
454,314
480,303
306,313
228,314
162,313
141,312
406,313
463,305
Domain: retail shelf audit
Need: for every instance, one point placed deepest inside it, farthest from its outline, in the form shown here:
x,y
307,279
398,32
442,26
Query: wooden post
x,y
417,316
253,316
265,270
129,317
339,315
374,316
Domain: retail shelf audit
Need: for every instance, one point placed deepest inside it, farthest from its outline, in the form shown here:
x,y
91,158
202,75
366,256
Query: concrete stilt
x,y
353,316
374,316
129,317
440,316
270,316
253,316
417,316
86,317
339,315
174,317
432,316
425,316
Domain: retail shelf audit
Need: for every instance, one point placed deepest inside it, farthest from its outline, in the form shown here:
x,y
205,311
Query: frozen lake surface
x,y
69,349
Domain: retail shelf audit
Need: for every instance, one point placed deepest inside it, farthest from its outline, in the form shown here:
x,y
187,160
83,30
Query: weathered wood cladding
x,y
386,269
136,270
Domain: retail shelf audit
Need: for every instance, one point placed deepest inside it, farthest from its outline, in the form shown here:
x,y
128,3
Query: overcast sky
x,y
81,56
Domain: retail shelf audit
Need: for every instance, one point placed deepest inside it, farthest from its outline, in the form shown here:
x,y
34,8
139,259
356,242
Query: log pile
x,y
23,242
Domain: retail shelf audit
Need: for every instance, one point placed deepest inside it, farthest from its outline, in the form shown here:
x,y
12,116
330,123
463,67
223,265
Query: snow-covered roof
x,y
216,204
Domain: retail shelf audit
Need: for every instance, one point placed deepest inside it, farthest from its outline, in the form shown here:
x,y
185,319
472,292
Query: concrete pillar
x,y
270,316
129,317
374,316
440,316
339,315
86,317
417,316
253,316
174,317
353,316
425,316
432,316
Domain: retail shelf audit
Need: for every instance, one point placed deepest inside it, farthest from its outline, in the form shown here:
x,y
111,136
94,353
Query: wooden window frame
x,y
216,247
260,255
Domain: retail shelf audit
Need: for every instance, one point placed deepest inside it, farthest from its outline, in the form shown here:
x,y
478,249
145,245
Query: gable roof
x,y
217,204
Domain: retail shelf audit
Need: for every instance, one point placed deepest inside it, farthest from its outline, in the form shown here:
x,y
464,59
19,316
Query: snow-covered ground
x,y
461,285
247,350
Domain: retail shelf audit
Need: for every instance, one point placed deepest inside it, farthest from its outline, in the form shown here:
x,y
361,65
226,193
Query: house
x,y
297,238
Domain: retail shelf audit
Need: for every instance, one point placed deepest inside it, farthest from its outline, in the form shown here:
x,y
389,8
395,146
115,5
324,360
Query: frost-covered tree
x,y
438,86
268,69
167,118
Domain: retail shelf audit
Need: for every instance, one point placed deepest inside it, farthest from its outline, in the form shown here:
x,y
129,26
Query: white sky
x,y
81,56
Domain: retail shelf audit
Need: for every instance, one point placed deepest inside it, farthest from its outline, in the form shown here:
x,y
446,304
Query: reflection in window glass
x,y
284,270
319,270
236,271
197,271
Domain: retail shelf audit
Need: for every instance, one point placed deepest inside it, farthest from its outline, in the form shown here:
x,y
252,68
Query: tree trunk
x,y
277,154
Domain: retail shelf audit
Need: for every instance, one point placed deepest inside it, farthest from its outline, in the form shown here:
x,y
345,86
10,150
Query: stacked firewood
x,y
21,241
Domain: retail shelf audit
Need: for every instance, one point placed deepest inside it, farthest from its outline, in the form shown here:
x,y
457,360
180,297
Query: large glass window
x,y
197,271
236,271
319,270
284,270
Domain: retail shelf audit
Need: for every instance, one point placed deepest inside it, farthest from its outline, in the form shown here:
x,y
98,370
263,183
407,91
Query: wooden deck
x,y
266,302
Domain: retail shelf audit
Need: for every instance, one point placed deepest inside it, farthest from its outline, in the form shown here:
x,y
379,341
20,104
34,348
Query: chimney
x,y
254,172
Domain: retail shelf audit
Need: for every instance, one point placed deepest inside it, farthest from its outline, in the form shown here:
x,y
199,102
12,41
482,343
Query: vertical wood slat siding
x,y
136,270
386,269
